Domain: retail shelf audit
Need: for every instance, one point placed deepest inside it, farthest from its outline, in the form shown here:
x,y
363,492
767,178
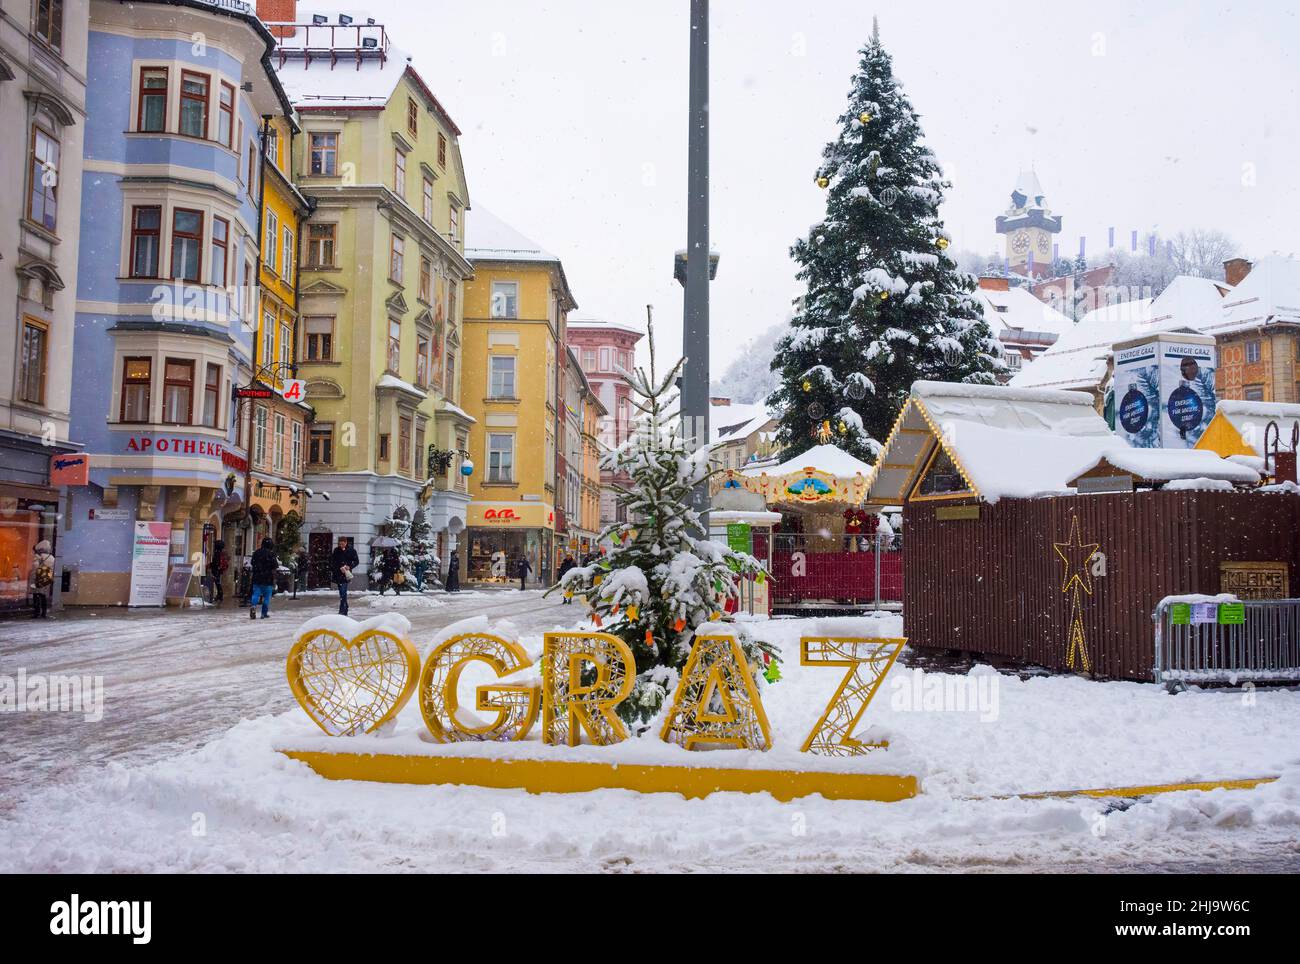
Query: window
x,y
394,344
136,379
404,445
426,280
178,391
422,360
319,338
320,245
399,172
271,145
604,359
589,359
1253,393
286,347
31,378
442,150
320,445
453,220
259,435
427,204
421,463
942,477
220,247
268,337
412,116
325,153
501,376
397,259
281,423
194,104
252,166
501,457
462,445
269,242
505,299
212,396
152,115
286,254
49,22
383,447
187,241
451,303
295,451
449,381
1253,352
226,114
43,201
146,226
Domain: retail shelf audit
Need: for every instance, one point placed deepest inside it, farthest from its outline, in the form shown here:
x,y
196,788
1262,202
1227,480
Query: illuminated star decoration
x,y
1075,556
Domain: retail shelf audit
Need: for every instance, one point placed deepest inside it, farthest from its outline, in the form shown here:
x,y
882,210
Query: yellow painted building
x,y
516,307
382,277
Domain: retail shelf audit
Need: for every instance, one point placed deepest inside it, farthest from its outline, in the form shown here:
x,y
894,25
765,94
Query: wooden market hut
x,y
1038,538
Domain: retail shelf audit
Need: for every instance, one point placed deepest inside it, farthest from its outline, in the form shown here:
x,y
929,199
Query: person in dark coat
x,y
565,566
389,567
217,567
453,572
42,579
265,564
524,570
343,562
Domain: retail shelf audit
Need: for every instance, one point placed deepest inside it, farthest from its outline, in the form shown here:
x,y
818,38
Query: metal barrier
x,y
1266,647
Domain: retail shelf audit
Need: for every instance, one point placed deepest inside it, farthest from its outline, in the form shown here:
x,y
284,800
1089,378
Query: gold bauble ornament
x,y
842,427
942,243
865,117
807,385
884,295
823,181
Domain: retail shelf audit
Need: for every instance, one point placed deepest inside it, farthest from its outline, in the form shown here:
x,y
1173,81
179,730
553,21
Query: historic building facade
x,y
166,294
43,108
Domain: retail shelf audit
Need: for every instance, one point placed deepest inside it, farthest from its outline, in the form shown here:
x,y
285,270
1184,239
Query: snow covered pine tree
x,y
661,580
884,305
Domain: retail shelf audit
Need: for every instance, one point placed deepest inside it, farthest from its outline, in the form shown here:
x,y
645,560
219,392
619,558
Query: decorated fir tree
x,y
661,578
884,304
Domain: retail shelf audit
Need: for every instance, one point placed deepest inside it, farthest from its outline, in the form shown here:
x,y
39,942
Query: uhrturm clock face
x,y
1020,242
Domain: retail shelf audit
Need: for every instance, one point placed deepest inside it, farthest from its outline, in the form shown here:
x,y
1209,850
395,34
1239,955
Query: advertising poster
x,y
1164,393
149,563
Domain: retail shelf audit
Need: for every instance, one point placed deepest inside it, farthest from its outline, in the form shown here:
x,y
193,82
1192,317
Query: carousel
x,y
830,552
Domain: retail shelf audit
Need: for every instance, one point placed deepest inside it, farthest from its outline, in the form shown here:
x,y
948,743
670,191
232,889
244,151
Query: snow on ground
x,y
236,804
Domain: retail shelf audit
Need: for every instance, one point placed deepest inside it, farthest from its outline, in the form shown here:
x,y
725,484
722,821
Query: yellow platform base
x,y
559,776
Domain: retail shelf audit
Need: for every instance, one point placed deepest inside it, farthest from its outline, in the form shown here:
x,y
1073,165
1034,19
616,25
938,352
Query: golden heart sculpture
x,y
351,686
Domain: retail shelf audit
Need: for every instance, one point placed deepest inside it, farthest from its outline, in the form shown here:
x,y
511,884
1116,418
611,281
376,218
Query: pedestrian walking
x,y
42,579
565,566
217,566
524,570
265,565
453,572
343,561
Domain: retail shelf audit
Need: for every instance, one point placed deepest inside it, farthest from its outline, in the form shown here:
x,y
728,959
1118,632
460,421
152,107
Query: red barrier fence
x,y
844,577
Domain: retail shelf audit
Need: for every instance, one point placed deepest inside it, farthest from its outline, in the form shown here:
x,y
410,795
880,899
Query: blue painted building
x,y
167,288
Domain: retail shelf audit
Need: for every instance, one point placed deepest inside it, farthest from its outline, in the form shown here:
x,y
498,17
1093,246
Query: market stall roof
x,y
824,473
830,459
1239,427
1164,465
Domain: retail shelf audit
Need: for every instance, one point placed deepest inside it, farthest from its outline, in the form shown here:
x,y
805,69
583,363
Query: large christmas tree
x,y
884,304
661,579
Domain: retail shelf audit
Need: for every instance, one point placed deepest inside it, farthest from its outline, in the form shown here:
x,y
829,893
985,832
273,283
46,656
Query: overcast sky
x,y
1152,115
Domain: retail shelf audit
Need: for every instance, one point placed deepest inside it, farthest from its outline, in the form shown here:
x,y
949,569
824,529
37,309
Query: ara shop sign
x,y
519,514
1164,390
174,445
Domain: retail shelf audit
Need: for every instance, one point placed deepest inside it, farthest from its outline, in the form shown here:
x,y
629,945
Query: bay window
x,y
187,241
178,391
404,444
146,237
212,396
136,382
152,114
226,114
194,104
220,248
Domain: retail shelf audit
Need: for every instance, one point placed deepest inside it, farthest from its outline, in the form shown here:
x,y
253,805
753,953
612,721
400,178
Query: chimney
x,y
278,11
1235,270
990,283
719,401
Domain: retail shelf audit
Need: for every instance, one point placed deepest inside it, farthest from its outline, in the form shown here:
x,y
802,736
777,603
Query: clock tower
x,y
1029,226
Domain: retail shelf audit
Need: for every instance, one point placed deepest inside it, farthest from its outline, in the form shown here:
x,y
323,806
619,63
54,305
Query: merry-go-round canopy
x,y
824,473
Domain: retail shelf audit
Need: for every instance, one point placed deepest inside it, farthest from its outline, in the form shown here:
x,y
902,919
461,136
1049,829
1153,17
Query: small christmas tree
x,y
422,551
661,578
884,304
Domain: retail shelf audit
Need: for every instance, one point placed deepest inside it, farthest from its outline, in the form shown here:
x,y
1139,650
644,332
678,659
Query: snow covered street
x,y
181,774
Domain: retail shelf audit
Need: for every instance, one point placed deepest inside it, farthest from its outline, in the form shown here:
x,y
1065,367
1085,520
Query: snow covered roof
x,y
1246,426
824,458
1164,465
488,238
1270,294
1080,358
1017,308
393,382
733,423
1027,186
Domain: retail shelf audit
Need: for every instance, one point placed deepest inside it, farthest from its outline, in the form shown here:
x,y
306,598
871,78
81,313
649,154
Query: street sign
x,y
255,391
294,390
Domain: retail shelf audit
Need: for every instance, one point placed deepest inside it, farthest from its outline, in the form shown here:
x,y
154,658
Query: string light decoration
x,y
584,676
515,704
1075,556
717,703
868,661
352,686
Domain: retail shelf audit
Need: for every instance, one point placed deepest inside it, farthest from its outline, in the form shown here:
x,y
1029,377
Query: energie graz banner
x,y
1164,393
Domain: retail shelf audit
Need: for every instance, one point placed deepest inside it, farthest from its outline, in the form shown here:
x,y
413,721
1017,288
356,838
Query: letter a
x,y
717,703
584,676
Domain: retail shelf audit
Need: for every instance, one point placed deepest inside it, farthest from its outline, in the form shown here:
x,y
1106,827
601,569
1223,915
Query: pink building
x,y
604,348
